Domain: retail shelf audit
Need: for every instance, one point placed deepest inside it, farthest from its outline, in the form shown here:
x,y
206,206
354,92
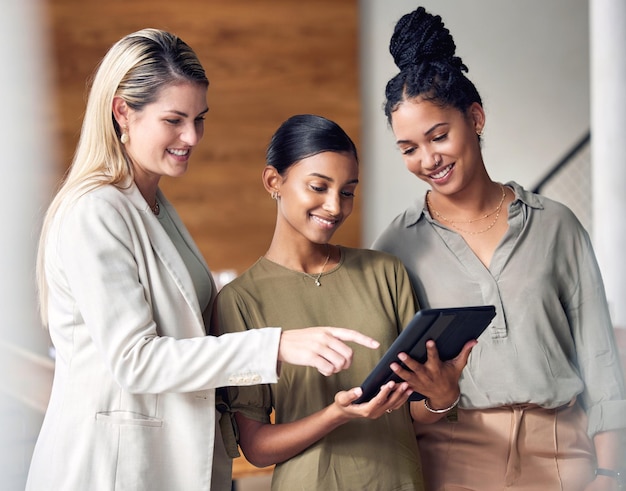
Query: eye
x,y
439,138
172,121
408,151
347,194
317,189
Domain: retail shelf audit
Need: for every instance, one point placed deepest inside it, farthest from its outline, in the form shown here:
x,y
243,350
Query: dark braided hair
x,y
424,51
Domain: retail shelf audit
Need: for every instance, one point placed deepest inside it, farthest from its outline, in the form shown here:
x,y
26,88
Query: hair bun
x,y
420,37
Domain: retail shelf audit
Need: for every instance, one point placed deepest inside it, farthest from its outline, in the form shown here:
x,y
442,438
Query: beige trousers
x,y
521,448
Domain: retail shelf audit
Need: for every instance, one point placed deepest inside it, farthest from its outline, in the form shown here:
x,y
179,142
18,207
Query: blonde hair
x,y
136,68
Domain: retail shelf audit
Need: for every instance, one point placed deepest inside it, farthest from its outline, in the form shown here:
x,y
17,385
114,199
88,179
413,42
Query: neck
x,y
307,259
469,203
149,194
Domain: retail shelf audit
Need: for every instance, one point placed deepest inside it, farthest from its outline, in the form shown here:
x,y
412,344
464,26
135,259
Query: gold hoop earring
x,y
275,195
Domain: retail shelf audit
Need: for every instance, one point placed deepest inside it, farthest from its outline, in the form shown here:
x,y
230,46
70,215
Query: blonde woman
x,y
124,291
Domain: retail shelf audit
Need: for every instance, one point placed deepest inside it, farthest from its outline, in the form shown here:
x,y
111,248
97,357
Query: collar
x,y
522,197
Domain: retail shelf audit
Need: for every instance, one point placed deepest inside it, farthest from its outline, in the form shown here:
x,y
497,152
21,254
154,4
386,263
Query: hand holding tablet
x,y
450,328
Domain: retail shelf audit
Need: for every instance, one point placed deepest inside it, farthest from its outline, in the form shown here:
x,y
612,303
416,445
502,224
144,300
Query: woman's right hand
x,y
321,347
391,396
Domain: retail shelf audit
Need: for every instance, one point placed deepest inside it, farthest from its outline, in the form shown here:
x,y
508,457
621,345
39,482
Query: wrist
x,y
613,474
337,415
441,410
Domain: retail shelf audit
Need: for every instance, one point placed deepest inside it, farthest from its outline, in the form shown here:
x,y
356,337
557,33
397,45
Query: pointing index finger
x,y
350,335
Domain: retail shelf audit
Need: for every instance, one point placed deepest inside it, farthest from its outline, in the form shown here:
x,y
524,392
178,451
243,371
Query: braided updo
x,y
424,51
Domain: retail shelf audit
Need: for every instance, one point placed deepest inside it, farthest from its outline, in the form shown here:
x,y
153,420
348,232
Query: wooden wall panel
x,y
266,60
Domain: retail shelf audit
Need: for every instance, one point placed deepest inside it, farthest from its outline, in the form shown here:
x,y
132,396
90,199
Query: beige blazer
x,y
133,400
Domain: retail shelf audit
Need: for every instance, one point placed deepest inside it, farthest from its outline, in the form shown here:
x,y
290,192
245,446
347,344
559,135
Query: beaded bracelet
x,y
441,411
611,473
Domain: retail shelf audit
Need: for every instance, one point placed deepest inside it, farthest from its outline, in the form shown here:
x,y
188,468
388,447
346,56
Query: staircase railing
x,y
569,181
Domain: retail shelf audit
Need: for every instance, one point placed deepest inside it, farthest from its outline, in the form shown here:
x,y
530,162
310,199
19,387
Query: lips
x,y
324,222
442,173
177,152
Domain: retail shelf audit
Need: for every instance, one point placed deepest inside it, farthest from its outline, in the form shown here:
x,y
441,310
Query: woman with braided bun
x,y
542,395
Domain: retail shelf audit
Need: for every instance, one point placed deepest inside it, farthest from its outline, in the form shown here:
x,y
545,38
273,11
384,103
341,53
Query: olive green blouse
x,y
368,291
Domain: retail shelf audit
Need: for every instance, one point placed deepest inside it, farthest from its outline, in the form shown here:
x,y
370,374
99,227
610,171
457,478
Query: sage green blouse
x,y
552,339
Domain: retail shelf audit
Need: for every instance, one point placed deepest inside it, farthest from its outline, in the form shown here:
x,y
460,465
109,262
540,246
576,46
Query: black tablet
x,y
450,328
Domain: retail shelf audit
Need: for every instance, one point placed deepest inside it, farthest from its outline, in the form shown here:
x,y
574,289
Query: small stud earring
x,y
479,132
124,138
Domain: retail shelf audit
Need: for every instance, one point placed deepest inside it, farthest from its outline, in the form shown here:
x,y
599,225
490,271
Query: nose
x,y
431,159
191,134
332,204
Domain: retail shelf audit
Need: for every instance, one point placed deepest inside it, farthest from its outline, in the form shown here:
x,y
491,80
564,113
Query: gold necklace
x,y
453,223
317,277
156,209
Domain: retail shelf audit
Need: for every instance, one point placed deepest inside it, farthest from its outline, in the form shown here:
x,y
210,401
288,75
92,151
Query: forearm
x,y
609,447
267,444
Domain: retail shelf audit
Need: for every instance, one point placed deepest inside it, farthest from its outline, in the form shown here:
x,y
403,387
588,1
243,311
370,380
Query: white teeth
x,y
179,153
442,172
325,222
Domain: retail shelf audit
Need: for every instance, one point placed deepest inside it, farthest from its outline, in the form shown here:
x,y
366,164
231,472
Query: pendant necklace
x,y
317,277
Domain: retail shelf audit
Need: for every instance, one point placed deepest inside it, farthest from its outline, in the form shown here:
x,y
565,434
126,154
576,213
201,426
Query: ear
x,y
271,179
120,111
476,114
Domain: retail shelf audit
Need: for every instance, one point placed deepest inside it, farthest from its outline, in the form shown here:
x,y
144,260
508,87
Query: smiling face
x,y
439,144
316,195
163,133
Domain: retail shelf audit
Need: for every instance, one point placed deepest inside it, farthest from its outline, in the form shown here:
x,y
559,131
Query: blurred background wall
x,y
265,60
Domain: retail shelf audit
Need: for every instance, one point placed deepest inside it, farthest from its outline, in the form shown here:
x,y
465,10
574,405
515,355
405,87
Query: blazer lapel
x,y
164,247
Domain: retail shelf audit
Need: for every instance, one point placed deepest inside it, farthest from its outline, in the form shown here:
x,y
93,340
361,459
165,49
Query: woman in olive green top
x,y
321,440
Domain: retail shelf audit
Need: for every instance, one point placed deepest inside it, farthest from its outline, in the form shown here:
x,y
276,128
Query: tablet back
x,y
450,328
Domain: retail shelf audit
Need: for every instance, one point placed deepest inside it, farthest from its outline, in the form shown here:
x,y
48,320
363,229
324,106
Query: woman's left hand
x,y
438,380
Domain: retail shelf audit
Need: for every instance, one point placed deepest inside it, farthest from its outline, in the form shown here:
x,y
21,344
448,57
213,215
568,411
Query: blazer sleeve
x,y
98,249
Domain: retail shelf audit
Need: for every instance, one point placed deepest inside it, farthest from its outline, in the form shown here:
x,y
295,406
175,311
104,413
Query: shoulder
x,y
403,225
244,284
549,211
102,211
369,255
379,263
102,200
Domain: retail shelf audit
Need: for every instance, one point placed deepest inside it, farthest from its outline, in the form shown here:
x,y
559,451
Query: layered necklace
x,y
316,278
454,223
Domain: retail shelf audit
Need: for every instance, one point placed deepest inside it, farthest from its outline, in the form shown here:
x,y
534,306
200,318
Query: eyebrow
x,y
330,179
185,115
426,133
